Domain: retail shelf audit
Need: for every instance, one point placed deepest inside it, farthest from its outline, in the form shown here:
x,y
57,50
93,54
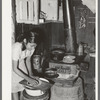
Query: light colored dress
x,y
19,55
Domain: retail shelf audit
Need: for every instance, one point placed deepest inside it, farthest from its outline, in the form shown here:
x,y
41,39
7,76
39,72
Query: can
x,y
37,62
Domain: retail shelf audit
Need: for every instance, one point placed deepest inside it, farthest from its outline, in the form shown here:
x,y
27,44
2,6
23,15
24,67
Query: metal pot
x,y
57,54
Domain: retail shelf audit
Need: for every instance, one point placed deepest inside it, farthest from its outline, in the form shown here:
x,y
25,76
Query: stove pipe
x,y
69,27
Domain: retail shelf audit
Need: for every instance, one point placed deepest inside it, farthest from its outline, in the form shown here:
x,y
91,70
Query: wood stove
x,y
68,67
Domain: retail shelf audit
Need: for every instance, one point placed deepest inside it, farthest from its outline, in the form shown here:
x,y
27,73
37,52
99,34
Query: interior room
x,y
63,61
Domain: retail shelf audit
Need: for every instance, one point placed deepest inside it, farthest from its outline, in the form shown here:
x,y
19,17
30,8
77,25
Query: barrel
x,y
26,96
36,94
75,92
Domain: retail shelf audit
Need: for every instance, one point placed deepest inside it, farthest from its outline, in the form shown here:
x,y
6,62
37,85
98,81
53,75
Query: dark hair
x,y
25,35
29,36
20,38
39,36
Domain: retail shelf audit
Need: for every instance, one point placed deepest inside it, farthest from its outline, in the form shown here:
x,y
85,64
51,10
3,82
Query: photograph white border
x,y
6,50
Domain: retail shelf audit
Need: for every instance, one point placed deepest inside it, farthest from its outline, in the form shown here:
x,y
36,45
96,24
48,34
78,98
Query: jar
x,y
36,62
80,50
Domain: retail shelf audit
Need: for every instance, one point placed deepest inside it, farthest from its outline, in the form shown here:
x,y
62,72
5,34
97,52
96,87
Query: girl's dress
x,y
19,55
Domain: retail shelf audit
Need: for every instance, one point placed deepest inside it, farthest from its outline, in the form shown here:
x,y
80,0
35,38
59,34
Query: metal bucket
x,y
36,62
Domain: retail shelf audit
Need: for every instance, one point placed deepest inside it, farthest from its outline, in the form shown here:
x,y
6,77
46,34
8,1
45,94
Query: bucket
x,y
36,94
74,92
26,96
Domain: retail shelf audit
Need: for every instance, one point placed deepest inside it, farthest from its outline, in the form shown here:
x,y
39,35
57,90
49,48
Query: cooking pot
x,y
57,54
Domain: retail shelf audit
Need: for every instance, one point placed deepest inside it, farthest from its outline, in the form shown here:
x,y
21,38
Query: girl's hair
x,y
20,38
25,35
40,34
29,36
37,31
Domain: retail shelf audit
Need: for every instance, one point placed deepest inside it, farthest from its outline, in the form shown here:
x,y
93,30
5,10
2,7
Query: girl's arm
x,y
22,74
29,66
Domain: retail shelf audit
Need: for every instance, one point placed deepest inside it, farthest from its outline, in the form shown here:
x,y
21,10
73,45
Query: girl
x,y
22,51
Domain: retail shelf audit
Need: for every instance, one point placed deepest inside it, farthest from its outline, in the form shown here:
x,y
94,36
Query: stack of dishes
x,y
69,59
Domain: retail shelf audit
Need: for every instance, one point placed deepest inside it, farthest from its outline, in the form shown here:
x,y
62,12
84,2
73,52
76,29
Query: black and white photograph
x,y
53,50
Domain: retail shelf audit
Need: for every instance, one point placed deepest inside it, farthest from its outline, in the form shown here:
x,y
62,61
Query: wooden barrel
x,y
75,92
26,96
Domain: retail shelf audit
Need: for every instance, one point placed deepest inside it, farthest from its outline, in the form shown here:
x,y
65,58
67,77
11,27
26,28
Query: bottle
x,y
80,50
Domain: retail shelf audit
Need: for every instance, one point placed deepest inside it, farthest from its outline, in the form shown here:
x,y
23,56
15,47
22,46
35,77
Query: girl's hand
x,y
33,81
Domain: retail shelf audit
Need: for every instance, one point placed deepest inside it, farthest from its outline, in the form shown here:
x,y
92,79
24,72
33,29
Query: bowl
x,y
35,92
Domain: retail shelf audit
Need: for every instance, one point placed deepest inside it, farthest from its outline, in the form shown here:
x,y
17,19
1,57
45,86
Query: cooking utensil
x,y
43,85
51,73
57,54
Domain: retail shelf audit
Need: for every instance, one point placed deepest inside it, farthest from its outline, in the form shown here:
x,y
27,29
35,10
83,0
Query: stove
x,y
65,70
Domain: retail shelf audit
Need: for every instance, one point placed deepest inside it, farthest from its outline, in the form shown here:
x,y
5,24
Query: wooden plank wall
x,y
55,29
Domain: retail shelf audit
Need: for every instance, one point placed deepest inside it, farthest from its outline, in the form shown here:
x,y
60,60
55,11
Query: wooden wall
x,y
53,31
85,34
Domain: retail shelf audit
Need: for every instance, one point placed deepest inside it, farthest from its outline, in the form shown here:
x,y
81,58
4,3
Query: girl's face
x,y
30,46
